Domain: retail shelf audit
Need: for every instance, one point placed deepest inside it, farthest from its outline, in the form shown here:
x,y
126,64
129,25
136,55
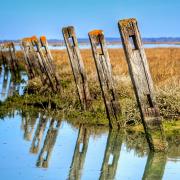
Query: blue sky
x,y
22,18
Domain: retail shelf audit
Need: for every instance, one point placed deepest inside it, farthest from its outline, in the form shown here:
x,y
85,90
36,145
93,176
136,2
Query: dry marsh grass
x,y
164,65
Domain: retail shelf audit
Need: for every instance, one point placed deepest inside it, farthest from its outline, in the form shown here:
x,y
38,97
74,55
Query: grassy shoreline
x,y
164,66
32,104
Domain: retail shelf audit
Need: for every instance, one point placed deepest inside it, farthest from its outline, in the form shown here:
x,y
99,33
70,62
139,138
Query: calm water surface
x,y
39,147
35,146
113,46
116,46
8,87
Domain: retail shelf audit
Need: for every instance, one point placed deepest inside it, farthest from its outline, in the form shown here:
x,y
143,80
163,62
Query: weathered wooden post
x,y
26,47
7,55
44,44
143,84
155,166
13,56
2,54
79,154
45,154
77,66
11,53
43,62
111,156
104,71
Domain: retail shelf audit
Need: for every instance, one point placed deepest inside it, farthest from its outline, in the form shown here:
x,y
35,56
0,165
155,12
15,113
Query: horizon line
x,y
84,38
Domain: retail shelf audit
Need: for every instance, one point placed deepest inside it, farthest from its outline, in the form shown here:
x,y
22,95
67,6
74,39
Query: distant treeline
x,y
113,40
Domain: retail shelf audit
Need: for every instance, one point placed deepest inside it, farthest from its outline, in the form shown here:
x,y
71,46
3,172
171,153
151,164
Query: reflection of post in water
x,y
79,154
5,82
1,68
49,143
38,134
11,88
28,124
155,166
111,156
13,85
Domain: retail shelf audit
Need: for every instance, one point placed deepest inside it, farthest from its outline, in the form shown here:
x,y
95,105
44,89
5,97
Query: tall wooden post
x,y
14,60
48,55
143,84
104,71
111,156
1,54
31,66
79,154
43,62
77,66
7,55
44,44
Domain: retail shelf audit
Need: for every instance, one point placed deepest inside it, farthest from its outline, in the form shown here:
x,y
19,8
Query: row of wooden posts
x,y
39,62
8,56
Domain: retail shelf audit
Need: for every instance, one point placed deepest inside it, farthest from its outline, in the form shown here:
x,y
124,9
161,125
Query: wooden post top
x,y
34,39
69,31
43,40
128,27
126,23
35,42
26,41
96,33
8,44
68,28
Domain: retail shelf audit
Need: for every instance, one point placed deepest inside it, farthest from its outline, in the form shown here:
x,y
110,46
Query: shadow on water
x,y
114,150
11,84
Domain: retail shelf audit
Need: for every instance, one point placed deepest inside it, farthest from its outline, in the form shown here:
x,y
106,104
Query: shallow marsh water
x,y
8,87
36,146
39,147
112,46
